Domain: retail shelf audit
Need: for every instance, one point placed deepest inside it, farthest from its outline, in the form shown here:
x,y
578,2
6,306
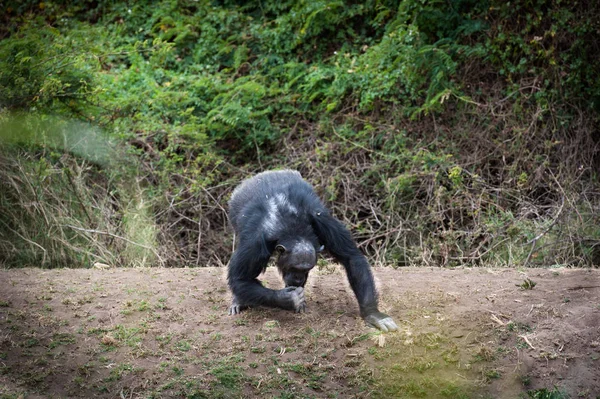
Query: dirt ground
x,y
153,333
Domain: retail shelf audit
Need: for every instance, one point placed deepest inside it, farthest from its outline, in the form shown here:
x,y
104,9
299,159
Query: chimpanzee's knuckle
x,y
390,324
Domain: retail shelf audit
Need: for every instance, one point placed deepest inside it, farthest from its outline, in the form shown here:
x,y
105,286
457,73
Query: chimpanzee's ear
x,y
280,249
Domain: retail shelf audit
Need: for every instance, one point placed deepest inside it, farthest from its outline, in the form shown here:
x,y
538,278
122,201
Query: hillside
x,y
452,133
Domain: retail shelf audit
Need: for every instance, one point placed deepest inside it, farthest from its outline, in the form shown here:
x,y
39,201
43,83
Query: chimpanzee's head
x,y
297,257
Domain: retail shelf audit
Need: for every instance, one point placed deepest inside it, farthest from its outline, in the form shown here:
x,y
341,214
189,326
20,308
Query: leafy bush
x,y
57,71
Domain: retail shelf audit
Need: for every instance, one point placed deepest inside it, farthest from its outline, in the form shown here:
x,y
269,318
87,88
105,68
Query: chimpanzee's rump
x,y
277,193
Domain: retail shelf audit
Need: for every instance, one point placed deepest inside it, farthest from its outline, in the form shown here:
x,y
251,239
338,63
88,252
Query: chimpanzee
x,y
278,211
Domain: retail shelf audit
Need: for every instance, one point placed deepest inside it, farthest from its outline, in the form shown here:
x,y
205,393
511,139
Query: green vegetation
x,y
544,393
527,284
444,132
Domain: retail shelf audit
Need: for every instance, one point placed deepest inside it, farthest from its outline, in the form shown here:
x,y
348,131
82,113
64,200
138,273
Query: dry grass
x,y
475,187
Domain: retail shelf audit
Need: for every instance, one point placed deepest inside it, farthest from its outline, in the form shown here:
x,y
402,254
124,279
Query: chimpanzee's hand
x,y
236,307
381,321
292,298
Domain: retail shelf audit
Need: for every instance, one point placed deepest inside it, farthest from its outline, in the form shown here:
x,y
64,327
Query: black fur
x,y
279,211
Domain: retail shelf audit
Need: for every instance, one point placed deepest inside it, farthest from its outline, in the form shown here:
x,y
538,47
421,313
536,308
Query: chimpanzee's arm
x,y
245,265
338,241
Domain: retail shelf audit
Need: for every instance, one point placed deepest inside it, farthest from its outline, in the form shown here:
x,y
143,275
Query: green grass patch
x,y
121,370
61,339
183,345
228,376
545,393
130,336
30,343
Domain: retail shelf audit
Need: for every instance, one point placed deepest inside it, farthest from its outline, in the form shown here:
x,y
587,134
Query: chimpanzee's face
x,y
296,260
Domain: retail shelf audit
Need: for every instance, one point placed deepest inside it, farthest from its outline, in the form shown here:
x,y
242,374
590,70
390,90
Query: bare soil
x,y
464,333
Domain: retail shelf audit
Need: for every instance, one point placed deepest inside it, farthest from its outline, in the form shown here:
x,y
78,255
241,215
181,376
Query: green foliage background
x,y
442,132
